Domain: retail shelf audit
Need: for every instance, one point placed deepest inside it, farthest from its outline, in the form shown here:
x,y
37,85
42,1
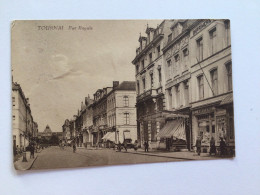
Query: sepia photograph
x,y
111,92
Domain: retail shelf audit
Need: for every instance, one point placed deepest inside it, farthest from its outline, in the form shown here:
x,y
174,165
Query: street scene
x,y
99,93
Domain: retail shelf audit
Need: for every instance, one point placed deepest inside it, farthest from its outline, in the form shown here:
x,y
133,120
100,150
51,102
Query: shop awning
x,y
105,136
127,134
174,128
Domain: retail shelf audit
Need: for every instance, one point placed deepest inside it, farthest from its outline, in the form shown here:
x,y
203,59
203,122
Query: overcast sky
x,y
58,68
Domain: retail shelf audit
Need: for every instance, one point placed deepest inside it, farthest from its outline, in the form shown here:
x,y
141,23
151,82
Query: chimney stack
x,y
115,84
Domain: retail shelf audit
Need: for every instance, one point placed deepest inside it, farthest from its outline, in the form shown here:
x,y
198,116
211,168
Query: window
x,y
126,118
214,81
158,51
137,69
227,28
177,88
170,98
201,87
200,49
150,57
213,38
126,101
142,64
144,84
151,76
169,37
13,117
138,88
169,63
160,75
185,58
186,93
176,67
13,100
229,76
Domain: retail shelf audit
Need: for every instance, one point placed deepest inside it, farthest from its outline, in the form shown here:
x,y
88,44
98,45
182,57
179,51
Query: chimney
x,y
115,84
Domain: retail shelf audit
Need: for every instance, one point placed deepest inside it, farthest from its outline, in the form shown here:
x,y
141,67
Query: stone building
x,y
211,82
66,130
87,122
196,85
121,112
100,114
24,127
150,83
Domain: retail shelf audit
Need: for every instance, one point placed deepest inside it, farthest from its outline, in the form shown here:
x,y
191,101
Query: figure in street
x,y
74,147
119,146
146,146
198,145
212,146
222,147
125,146
135,145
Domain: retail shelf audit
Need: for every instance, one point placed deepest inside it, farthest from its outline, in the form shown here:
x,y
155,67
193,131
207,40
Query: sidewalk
x,y
175,155
19,165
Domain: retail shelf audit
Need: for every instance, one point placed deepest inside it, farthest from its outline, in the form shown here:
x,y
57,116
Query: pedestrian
x,y
198,145
135,145
74,147
31,150
222,147
212,146
146,146
125,146
119,146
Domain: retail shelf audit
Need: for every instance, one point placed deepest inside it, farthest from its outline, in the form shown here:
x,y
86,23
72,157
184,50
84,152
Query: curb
x,y
159,155
32,163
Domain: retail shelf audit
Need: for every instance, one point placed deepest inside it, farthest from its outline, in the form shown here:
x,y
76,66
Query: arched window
x,y
126,101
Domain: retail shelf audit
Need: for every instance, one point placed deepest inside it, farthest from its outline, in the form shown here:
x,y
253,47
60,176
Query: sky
x,y
57,69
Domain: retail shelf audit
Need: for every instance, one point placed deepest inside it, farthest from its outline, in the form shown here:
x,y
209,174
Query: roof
x,y
126,85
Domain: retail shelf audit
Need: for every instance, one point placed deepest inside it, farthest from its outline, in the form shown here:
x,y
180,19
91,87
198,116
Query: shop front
x,y
213,122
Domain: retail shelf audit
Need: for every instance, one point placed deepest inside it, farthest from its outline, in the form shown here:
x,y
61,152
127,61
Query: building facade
x,y
150,83
196,83
25,129
121,112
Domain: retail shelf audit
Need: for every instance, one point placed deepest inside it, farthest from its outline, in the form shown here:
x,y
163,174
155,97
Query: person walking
x,y
135,145
146,146
212,146
74,147
125,146
222,147
198,145
119,146
31,150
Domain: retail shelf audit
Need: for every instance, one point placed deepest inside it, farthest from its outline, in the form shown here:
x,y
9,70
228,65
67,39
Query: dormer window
x,y
177,58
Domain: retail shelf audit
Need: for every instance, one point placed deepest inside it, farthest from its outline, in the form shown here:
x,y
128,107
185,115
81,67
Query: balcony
x,y
149,94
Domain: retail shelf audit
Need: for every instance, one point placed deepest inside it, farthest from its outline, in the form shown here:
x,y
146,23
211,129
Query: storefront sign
x,y
203,111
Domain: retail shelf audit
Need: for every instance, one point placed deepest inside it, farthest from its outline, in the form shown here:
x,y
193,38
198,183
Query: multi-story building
x,y
211,82
121,112
24,128
87,122
196,84
100,114
66,130
150,83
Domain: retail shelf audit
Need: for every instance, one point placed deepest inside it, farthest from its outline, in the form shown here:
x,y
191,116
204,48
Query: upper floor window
x,y
200,49
229,76
170,98
213,42
169,63
201,86
227,28
160,75
13,101
169,37
177,88
137,68
150,57
158,50
185,57
126,101
214,81
144,84
142,64
126,118
138,88
151,77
